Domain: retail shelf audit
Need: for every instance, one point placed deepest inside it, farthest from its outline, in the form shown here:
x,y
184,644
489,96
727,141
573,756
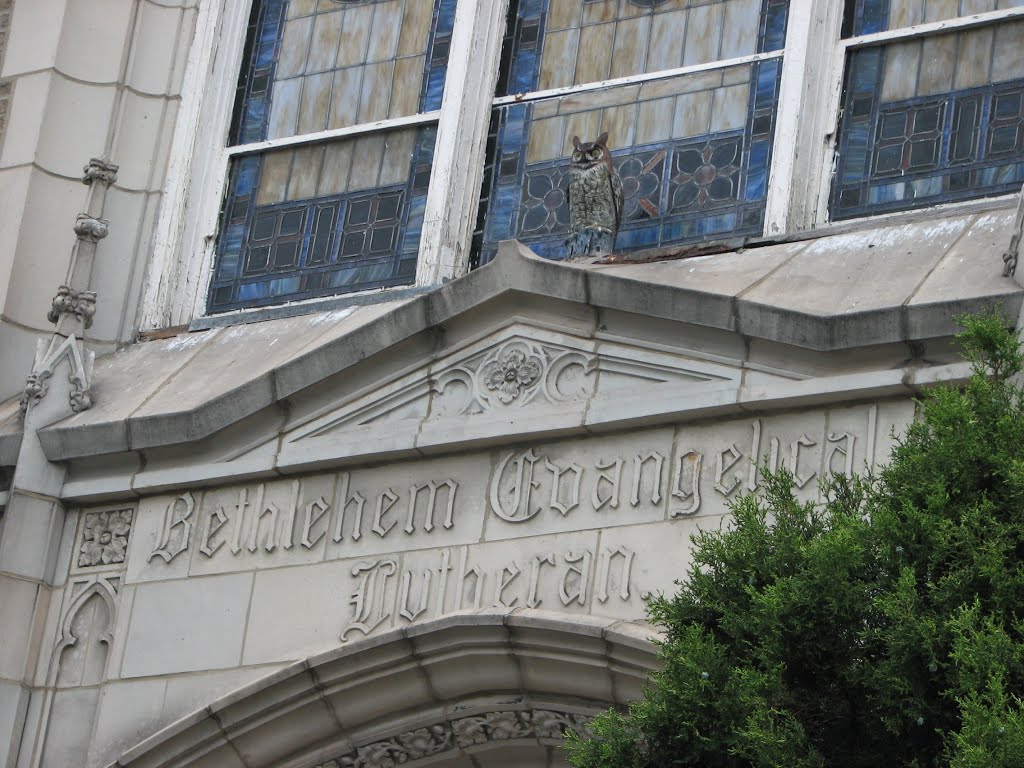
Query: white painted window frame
x,y
814,64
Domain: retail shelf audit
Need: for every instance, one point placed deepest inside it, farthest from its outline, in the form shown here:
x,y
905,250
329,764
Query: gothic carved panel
x,y
522,366
489,728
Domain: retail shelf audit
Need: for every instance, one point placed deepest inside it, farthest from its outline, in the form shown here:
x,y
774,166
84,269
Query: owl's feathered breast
x,y
592,197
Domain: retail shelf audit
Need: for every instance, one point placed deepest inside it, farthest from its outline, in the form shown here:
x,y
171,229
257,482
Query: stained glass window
x,y
931,119
693,150
864,17
340,215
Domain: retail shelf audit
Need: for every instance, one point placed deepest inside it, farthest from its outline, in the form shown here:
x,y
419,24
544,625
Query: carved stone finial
x,y
80,363
99,170
1011,254
91,229
81,304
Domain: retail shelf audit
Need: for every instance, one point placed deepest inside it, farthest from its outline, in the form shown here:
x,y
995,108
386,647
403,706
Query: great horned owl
x,y
595,199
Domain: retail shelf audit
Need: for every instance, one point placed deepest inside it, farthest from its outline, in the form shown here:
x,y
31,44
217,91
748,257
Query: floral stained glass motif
x,y
555,43
693,154
931,120
864,17
656,129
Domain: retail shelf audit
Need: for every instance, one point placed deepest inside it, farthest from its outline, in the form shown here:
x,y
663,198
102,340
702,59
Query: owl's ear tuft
x,y
576,142
602,139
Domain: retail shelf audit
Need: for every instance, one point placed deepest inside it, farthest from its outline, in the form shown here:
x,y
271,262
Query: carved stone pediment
x,y
524,368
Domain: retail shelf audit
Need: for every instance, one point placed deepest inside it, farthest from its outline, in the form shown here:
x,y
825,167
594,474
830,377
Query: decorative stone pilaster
x,y
74,305
1013,252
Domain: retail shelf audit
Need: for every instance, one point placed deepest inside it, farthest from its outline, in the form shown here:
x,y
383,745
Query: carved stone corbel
x,y
91,229
80,362
99,170
81,304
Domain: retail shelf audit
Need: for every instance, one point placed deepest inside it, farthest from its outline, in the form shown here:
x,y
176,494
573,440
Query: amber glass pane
x,y
864,17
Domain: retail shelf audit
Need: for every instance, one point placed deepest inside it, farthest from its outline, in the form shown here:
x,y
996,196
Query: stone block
x,y
185,626
66,745
14,183
94,34
128,712
187,694
118,259
35,37
18,599
296,612
140,124
87,107
32,532
155,45
51,207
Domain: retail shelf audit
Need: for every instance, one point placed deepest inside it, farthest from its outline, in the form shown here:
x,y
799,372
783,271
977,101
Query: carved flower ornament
x,y
510,374
105,537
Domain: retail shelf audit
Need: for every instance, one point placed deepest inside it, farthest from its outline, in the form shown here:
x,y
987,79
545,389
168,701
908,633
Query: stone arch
x,y
469,689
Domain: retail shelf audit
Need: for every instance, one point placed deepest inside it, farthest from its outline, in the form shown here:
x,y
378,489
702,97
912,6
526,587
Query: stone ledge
x,y
702,291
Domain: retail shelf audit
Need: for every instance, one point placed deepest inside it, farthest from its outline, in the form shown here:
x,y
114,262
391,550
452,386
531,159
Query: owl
x,y
595,199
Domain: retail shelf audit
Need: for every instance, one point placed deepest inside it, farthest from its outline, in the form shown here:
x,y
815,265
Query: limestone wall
x,y
82,79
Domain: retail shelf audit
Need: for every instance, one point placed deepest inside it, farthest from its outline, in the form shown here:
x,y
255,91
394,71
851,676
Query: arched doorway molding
x,y
436,692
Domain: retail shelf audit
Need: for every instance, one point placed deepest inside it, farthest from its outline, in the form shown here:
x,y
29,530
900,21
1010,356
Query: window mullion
x,y
461,141
804,120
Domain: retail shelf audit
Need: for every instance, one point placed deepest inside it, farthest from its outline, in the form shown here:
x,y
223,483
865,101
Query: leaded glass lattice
x,y
693,151
865,17
332,217
932,120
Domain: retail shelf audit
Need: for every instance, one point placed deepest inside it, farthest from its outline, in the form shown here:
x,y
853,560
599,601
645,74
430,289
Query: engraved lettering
x,y
432,488
314,511
794,452
556,486
478,585
270,540
356,498
773,454
175,521
755,455
692,459
612,499
723,465
503,581
604,575
370,597
532,601
288,521
638,469
582,574
240,507
845,450
519,510
390,499
443,579
211,529
404,611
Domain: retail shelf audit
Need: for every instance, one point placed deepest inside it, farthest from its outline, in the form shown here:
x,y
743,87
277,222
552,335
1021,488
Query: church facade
x,y
316,451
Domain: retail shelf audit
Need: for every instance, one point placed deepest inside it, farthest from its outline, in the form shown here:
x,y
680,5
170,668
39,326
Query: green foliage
x,y
882,628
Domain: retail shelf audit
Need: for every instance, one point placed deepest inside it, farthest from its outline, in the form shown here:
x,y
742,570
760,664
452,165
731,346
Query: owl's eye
x,y
577,156
597,154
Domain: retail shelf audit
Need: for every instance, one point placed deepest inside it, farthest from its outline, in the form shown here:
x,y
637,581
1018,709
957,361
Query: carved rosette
x,y
514,374
105,537
81,304
461,733
90,229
